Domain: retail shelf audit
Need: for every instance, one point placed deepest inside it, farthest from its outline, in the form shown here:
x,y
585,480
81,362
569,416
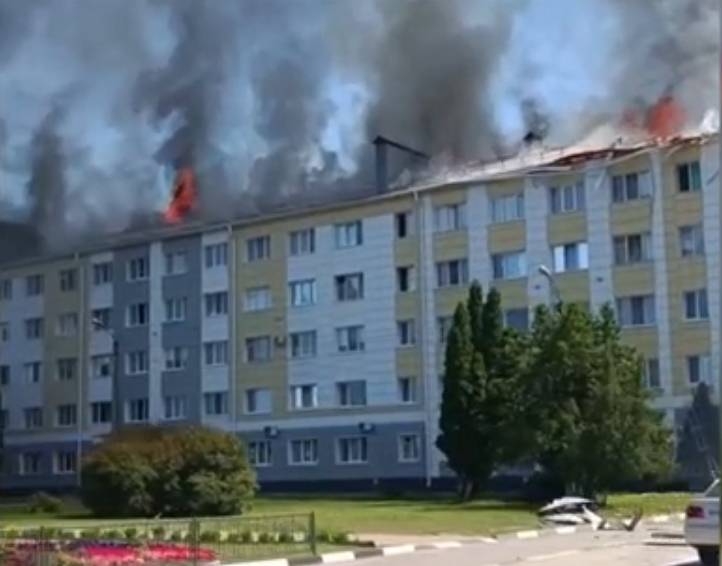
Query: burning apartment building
x,y
243,257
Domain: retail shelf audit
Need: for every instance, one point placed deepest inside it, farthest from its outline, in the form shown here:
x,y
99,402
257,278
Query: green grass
x,y
368,514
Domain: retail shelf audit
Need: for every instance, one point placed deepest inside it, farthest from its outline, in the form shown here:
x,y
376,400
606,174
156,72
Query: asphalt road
x,y
587,549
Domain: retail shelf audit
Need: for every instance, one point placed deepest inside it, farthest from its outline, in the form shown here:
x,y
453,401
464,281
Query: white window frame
x,y
402,456
215,255
23,467
260,453
691,241
704,367
176,358
692,172
625,306
350,339
133,318
408,224
102,273
406,333
34,328
648,374
302,242
96,412
443,327
304,443
344,393
215,353
213,400
302,293
33,372
562,254
32,418
258,249
502,262
62,467
175,407
68,280
302,344
6,289
508,208
176,309
137,269
700,310
410,271
407,384
176,263
567,198
349,287
622,248
66,369
356,452
67,324
257,401
215,304
137,410
66,415
348,234
298,393
257,299
459,268
132,362
624,190
253,343
34,285
101,316
102,361
450,217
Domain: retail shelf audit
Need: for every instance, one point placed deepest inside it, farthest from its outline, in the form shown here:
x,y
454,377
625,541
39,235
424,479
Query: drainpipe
x,y
423,332
232,409
81,365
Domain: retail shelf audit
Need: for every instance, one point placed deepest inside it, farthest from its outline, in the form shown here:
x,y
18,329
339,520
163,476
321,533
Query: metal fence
x,y
162,542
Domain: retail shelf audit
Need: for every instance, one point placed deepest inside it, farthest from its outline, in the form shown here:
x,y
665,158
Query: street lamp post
x,y
114,408
546,272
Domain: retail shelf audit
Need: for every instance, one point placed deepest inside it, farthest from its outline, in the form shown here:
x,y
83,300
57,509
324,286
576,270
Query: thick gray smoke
x,y
277,100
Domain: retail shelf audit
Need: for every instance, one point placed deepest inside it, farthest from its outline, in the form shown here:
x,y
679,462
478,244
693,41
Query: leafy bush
x,y
210,536
341,538
173,471
285,537
176,536
159,533
42,502
131,533
265,538
111,534
324,536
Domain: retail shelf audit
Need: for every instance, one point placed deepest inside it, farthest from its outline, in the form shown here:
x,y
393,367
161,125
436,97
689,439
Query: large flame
x,y
665,119
184,196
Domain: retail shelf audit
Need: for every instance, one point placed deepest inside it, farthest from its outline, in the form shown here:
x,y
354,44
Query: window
x,y
404,222
137,269
349,234
216,303
136,315
452,273
216,353
259,453
174,407
689,177
632,248
405,279
257,299
216,403
570,257
66,415
409,448
353,450
443,326
3,419
216,255
34,285
258,401
102,366
136,362
101,412
4,375
33,372
29,463
6,289
407,389
350,339
636,310
176,358
698,369
350,287
34,328
518,319
302,242
102,273
303,452
67,279
691,240
136,410
303,293
567,198
303,397
695,305
67,324
33,417
65,462
651,373
176,309
506,209
258,249
351,393
303,344
258,349
4,332
450,217
66,369
100,319
406,330
176,263
510,265
632,186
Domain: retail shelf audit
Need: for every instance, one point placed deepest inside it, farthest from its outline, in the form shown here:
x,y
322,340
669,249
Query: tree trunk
x,y
467,489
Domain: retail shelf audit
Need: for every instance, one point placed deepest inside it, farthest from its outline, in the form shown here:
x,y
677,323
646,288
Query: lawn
x,y
369,514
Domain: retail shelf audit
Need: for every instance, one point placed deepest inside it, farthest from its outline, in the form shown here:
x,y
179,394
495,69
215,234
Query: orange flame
x,y
184,197
665,119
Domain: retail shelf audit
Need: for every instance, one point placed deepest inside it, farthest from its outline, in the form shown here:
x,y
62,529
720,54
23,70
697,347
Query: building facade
x,y
318,335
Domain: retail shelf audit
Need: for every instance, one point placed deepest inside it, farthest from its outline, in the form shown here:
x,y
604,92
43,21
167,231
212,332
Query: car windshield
x,y
713,490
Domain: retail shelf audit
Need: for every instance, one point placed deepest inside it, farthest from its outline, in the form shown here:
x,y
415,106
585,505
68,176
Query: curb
x,y
359,554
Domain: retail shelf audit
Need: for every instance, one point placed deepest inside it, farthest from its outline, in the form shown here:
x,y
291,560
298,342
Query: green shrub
x,y
112,534
210,536
90,534
265,538
42,502
10,533
285,537
158,533
324,536
192,471
176,536
247,536
131,533
341,538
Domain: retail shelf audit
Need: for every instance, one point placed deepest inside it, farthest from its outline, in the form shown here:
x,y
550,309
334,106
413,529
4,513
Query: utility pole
x,y
546,272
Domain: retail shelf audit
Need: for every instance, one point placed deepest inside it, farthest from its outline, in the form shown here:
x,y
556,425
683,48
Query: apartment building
x,y
318,335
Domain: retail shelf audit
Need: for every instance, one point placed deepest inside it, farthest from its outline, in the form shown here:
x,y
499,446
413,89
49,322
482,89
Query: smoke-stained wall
x,y
266,99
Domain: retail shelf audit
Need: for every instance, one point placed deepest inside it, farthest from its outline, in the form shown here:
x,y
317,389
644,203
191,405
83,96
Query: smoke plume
x,y
275,101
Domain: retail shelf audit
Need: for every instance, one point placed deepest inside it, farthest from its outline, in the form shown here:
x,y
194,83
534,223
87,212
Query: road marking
x,y
447,544
400,549
277,562
487,540
333,557
527,534
552,556
565,530
660,518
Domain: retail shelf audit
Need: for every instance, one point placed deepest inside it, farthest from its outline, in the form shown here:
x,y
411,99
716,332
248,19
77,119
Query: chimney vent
x,y
413,159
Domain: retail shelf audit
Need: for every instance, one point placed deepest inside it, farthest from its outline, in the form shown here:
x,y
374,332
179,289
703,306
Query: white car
x,y
701,525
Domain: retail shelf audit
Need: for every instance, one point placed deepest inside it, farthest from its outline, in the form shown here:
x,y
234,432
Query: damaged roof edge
x,y
547,162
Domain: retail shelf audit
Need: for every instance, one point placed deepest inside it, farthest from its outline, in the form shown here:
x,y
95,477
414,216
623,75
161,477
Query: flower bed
x,y
104,554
